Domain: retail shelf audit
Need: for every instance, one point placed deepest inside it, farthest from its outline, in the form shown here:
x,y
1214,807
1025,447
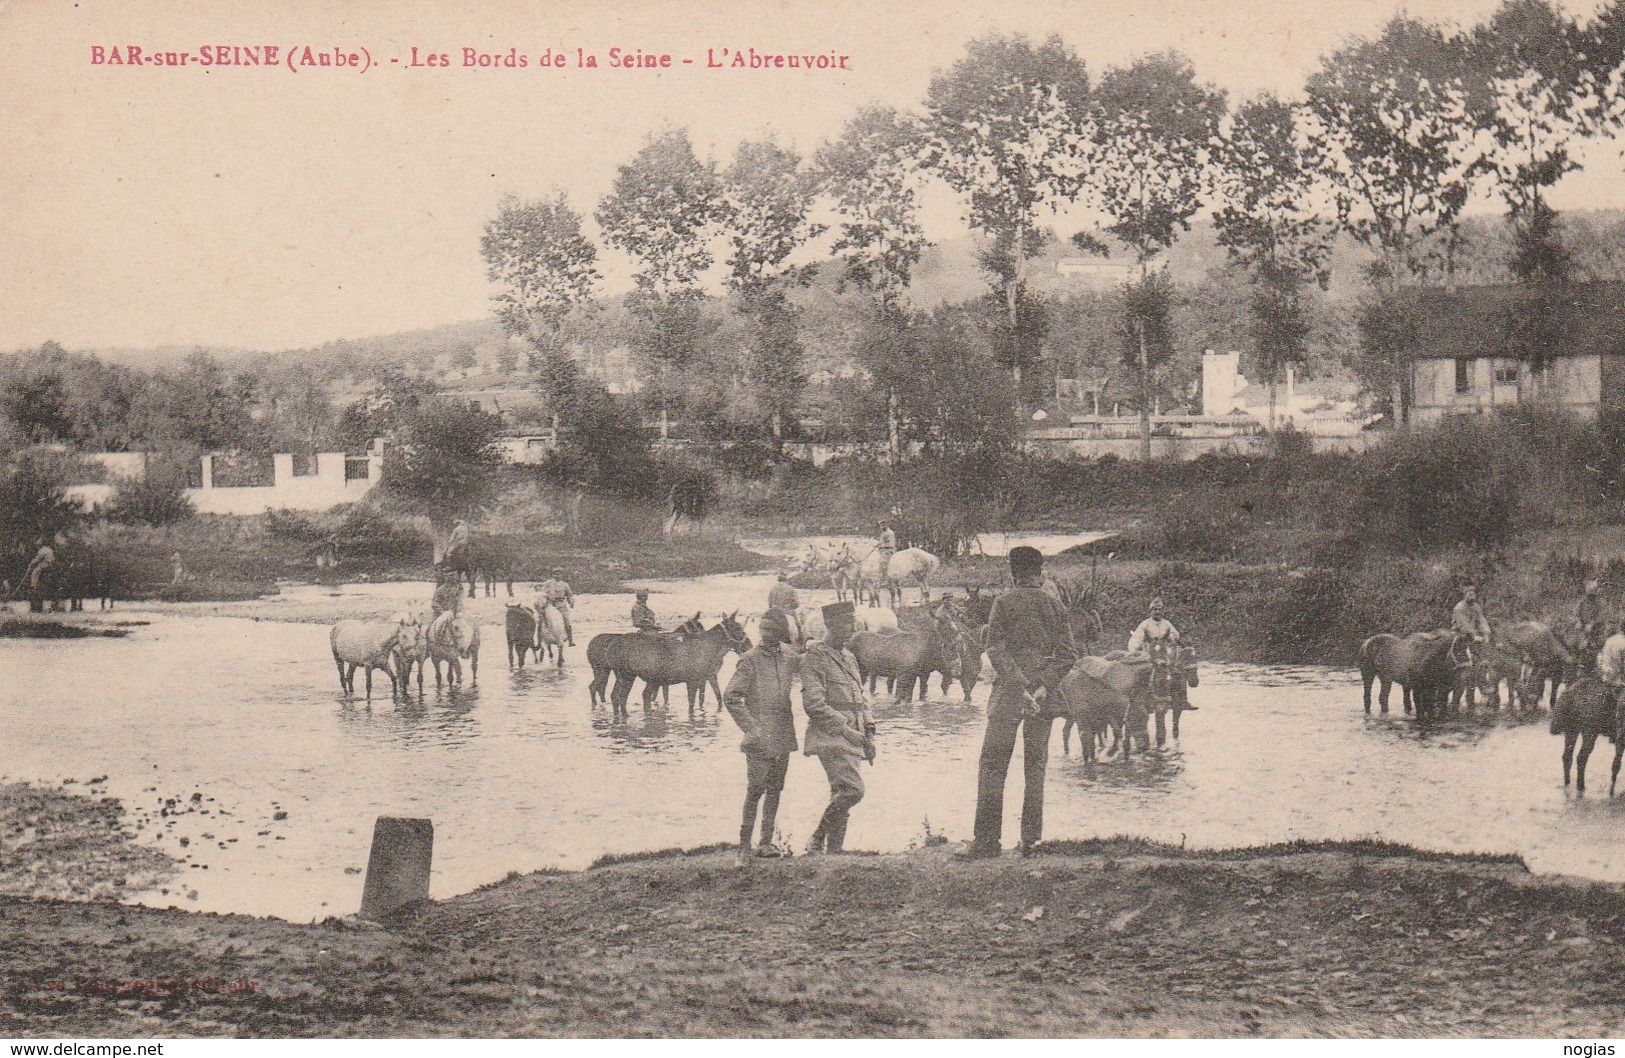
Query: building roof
x,y
1473,322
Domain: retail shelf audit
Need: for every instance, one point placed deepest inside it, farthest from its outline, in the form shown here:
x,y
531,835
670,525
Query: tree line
x,y
1388,141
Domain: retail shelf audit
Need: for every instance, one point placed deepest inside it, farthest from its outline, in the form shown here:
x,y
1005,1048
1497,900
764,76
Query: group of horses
x,y
1441,673
535,629
860,578
404,643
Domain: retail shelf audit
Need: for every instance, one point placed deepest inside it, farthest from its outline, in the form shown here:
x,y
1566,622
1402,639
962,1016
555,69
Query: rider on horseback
x,y
456,555
1591,620
556,590
1155,640
643,618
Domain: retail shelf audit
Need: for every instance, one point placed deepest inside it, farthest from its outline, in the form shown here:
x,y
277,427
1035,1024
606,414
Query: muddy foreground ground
x,y
1099,939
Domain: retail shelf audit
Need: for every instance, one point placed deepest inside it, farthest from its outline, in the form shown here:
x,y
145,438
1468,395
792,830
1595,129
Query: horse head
x,y
952,640
738,641
1187,666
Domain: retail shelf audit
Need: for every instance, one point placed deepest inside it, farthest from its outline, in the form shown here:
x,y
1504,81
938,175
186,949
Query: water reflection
x,y
522,772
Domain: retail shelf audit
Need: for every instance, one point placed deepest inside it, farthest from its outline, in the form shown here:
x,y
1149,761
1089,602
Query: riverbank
x,y
1102,938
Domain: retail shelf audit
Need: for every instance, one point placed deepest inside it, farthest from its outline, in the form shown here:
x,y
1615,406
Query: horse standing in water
x,y
1585,709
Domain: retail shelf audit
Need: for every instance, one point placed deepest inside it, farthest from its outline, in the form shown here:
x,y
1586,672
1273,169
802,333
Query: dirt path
x,y
1108,939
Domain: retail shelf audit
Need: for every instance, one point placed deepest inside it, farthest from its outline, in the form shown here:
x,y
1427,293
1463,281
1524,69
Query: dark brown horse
x,y
1420,663
907,658
1585,709
520,624
1536,658
661,660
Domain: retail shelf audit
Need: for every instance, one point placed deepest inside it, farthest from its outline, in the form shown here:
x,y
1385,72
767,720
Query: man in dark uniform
x,y
840,731
1030,645
758,698
643,618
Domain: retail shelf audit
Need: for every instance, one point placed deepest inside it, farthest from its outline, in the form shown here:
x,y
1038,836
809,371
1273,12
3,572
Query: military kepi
x,y
838,611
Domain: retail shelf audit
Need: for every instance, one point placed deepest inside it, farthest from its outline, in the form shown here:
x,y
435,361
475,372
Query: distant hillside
x,y
474,353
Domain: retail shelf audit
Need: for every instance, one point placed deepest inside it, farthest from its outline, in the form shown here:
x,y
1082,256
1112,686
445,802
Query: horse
x,y
366,644
875,619
1542,659
904,658
865,575
690,499
550,634
520,623
972,642
1585,709
914,564
1117,697
450,639
840,576
411,650
1420,663
660,660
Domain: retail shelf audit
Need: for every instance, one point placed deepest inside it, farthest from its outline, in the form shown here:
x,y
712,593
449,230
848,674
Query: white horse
x,y
914,564
550,634
875,619
866,575
452,638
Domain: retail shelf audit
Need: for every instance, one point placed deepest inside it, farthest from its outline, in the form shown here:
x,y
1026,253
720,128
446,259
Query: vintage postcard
x,y
812,519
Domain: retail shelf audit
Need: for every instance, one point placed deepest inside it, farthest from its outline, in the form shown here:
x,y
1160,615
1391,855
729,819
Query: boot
x,y
836,835
770,815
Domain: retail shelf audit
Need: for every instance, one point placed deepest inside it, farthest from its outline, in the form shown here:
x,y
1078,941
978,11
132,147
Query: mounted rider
x,y
1467,617
1591,619
445,605
556,590
456,553
643,618
1154,640
887,545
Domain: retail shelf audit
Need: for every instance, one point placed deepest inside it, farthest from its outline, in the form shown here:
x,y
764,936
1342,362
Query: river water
x,y
243,714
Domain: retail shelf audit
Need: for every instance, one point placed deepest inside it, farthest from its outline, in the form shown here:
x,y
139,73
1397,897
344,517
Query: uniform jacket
x,y
1151,630
1468,619
643,617
1611,662
557,592
758,698
1030,645
832,696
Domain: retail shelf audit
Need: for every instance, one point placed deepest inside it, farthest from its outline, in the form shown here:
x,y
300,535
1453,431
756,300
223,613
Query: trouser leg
x,y
1035,761
770,798
845,791
998,743
757,769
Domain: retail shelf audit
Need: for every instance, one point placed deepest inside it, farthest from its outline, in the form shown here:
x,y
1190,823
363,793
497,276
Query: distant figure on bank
x,y
758,699
41,577
1030,645
840,730
177,570
643,618
556,590
782,596
1591,616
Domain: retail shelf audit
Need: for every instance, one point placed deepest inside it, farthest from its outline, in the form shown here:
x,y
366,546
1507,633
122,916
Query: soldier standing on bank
x,y
840,730
1030,645
758,698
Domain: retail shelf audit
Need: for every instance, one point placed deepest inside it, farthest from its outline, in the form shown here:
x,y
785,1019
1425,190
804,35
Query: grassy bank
x,y
1102,938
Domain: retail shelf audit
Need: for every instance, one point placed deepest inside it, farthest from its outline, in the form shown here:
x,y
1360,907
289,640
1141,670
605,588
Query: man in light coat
x,y
758,699
840,729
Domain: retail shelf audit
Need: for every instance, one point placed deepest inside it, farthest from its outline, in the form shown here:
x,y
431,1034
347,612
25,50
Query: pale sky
x,y
263,208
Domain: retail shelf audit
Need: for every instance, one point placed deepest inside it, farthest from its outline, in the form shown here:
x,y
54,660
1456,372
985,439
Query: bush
x,y
157,498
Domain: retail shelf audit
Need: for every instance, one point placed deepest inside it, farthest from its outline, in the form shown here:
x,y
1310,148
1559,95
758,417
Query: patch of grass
x,y
611,859
1375,848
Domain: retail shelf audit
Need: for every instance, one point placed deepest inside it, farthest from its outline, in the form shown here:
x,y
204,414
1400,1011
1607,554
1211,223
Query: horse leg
x,y
1175,718
1162,727
369,682
1066,739
1569,738
474,667
1366,679
1587,741
340,663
